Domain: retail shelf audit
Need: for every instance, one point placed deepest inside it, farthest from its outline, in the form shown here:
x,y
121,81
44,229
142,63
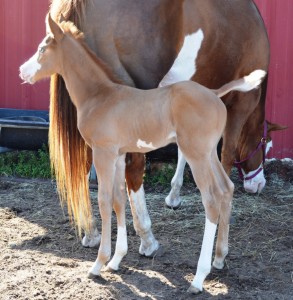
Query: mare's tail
x,y
245,84
70,156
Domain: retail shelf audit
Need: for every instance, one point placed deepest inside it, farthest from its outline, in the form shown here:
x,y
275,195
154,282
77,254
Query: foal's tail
x,y
245,84
70,156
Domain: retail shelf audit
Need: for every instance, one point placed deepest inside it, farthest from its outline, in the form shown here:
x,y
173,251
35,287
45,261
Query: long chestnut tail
x,y
70,156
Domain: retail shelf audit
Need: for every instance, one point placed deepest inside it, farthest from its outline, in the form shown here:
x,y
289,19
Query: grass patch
x,y
28,164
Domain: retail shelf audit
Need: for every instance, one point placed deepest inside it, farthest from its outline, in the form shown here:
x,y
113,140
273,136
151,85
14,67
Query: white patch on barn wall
x,y
184,66
142,144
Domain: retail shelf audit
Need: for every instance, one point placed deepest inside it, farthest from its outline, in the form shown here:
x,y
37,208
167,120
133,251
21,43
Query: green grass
x,y
28,164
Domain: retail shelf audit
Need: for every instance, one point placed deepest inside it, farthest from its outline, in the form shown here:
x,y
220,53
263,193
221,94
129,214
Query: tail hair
x,y
245,84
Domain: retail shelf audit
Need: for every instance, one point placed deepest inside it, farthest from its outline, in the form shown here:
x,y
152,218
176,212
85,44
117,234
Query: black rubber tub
x,y
23,129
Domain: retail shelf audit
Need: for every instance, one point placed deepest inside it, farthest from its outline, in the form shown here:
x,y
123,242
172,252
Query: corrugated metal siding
x,y
21,29
278,17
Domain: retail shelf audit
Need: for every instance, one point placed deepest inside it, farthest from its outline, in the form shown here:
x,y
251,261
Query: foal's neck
x,y
84,76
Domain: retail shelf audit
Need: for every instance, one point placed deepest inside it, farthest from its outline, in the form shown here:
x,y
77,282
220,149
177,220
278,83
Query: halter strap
x,y
261,145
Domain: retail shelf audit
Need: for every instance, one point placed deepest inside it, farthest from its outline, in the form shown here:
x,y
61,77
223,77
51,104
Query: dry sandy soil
x,y
41,257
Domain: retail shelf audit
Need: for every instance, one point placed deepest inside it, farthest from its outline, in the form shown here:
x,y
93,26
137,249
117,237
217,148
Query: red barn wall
x,y
278,17
22,28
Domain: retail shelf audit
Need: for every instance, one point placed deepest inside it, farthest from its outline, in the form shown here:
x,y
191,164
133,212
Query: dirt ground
x,y
41,257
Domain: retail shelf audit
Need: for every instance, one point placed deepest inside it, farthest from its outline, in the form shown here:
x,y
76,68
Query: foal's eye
x,y
42,49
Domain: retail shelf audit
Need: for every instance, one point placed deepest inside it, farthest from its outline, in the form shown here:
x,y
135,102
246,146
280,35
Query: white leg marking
x,y
121,249
256,184
173,200
205,259
184,66
142,223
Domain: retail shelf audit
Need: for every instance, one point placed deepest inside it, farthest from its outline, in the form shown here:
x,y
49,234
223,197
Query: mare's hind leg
x,y
92,238
173,199
141,220
119,208
210,183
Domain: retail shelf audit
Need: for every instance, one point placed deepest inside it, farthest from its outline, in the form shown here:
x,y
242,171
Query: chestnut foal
x,y
115,119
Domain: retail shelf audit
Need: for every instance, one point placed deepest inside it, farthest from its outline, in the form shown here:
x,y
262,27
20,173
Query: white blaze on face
x,y
184,66
29,69
142,144
256,184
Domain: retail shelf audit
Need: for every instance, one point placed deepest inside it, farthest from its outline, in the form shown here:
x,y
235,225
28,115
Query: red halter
x,y
261,145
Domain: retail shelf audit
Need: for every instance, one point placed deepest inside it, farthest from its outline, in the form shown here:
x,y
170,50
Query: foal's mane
x,y
70,29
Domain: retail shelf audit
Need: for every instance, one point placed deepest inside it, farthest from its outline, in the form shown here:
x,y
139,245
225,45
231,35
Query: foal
x,y
115,119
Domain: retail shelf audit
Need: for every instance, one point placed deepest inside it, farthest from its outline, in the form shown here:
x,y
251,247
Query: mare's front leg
x,y
119,208
135,163
104,161
173,199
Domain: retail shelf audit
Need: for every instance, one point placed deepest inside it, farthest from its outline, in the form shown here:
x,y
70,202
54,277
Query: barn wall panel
x,y
278,17
22,28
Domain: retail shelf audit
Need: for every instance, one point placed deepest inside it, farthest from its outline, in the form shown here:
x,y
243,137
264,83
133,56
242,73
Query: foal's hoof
x,y
193,290
93,276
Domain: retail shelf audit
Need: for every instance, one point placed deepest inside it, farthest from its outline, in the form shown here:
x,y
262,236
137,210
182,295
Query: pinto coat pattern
x,y
112,119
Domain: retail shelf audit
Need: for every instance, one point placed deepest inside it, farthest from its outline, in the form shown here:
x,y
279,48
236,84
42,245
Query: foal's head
x,y
48,58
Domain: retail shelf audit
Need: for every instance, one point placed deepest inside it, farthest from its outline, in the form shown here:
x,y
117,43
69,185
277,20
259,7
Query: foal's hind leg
x,y
203,170
225,212
119,207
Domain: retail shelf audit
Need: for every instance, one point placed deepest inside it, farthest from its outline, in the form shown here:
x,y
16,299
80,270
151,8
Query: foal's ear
x,y
54,29
275,127
62,19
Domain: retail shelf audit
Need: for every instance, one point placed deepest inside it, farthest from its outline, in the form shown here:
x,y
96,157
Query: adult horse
x,y
210,42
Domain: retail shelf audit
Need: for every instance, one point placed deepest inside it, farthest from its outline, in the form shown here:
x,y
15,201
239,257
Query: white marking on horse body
x,y
142,144
172,135
205,259
184,66
256,184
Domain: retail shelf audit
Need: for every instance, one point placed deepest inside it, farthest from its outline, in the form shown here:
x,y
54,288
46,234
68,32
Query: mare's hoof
x,y
193,290
156,253
173,207
218,265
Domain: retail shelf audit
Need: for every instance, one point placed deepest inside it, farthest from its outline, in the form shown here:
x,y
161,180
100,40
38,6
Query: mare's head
x,y
255,142
48,58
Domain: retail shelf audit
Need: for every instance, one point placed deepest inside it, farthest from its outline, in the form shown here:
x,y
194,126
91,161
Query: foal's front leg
x,y
104,162
119,207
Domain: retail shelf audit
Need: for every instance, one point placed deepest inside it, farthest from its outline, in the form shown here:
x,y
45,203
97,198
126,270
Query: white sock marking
x,y
205,259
